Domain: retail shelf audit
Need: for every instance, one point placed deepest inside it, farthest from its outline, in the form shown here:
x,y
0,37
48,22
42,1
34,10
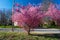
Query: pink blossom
x,y
30,16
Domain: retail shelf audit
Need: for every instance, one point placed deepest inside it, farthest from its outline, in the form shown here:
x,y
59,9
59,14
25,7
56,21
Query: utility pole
x,y
13,5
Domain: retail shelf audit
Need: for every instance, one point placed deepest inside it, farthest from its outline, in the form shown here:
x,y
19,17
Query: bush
x,y
22,36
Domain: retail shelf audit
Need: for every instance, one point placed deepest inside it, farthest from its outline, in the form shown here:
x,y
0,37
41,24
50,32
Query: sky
x,y
25,2
7,4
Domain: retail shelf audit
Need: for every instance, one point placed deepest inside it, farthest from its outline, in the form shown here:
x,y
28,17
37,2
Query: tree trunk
x,y
29,31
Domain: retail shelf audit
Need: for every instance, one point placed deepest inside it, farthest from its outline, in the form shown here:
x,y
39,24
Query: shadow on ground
x,y
48,35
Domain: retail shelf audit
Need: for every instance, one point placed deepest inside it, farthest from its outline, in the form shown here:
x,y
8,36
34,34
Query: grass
x,y
45,26
9,26
22,36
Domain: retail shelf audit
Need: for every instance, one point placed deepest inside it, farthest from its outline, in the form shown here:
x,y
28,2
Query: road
x,y
11,30
46,31
40,31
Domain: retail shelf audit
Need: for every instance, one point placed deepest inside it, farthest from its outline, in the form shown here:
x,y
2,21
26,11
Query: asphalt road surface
x,y
40,31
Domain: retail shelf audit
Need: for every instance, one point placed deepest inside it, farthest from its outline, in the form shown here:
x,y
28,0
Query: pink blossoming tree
x,y
28,17
53,13
31,16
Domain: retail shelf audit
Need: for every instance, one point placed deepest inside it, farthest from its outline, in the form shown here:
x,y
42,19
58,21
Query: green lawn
x,y
9,26
22,36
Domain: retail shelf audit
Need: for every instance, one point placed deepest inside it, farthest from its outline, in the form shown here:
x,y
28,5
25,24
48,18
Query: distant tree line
x,y
5,17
